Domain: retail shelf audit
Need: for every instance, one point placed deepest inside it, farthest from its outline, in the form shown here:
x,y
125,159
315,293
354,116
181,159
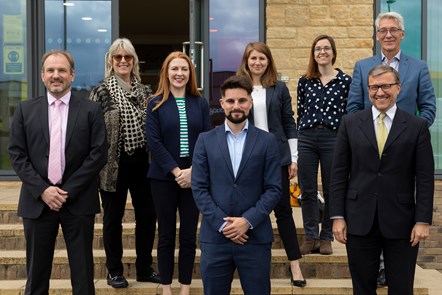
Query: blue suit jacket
x,y
252,194
280,118
163,132
416,93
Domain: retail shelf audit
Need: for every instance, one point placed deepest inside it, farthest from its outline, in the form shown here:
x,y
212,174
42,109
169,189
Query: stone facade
x,y
292,26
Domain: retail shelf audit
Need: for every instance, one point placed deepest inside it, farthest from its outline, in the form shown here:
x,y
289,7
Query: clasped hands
x,y
183,177
54,197
236,229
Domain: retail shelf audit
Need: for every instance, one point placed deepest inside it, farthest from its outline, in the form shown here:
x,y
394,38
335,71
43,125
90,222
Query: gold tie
x,y
381,134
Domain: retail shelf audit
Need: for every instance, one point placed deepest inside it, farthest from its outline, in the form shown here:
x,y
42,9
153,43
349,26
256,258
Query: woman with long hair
x,y
176,115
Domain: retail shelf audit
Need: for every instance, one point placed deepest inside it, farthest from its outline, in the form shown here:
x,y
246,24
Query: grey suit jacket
x,y
85,154
399,187
417,93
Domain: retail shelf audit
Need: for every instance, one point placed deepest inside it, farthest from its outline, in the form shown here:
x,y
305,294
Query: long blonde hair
x,y
164,84
126,45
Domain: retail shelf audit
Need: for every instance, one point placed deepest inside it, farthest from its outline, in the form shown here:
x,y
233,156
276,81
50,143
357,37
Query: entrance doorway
x,y
156,28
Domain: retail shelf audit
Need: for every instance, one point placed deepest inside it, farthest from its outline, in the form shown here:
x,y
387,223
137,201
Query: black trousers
x,y
131,177
168,197
40,235
284,219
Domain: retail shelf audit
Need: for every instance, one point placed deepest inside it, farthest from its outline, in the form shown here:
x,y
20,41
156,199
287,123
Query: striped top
x,y
184,132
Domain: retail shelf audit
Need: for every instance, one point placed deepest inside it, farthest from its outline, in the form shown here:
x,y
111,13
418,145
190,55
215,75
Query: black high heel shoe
x,y
297,283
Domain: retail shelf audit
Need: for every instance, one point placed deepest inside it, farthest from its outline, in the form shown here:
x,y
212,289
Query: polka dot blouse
x,y
322,104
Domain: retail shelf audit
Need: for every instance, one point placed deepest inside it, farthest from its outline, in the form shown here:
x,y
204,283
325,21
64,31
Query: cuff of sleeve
x,y
293,143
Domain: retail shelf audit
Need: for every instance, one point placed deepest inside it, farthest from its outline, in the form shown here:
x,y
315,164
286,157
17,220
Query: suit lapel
x,y
44,121
248,148
367,128
74,107
403,66
397,127
224,148
270,91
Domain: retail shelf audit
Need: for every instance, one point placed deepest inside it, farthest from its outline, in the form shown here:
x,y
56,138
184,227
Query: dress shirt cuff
x,y
422,223
222,227
337,217
293,143
251,226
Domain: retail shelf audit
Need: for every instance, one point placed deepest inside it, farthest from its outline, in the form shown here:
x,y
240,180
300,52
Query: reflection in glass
x,y
84,29
434,38
13,82
233,24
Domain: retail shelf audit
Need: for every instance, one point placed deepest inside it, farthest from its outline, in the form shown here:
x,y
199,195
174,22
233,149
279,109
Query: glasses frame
x,y
320,49
385,87
119,57
393,31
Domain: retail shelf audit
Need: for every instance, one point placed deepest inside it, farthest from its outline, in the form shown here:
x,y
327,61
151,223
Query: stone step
x,y
13,264
279,287
12,237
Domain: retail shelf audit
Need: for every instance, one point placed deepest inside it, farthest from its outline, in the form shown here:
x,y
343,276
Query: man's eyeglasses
x,y
375,88
119,57
325,48
393,31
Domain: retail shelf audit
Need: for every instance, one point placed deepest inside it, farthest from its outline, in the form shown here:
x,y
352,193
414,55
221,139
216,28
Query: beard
x,y
238,119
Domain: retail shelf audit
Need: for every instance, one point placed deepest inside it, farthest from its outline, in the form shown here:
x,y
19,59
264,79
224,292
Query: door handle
x,y
201,63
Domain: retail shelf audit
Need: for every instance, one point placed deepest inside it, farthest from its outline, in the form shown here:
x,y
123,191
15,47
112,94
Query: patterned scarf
x,y
132,107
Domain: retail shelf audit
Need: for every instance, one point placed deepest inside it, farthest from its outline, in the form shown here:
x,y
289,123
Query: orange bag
x,y
295,192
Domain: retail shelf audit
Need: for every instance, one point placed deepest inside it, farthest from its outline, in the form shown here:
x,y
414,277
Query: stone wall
x,y
292,26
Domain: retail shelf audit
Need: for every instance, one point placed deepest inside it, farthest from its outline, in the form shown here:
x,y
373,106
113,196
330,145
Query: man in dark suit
x,y
417,92
236,183
60,186
381,192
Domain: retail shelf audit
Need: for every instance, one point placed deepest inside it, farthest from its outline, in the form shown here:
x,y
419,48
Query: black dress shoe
x,y
382,280
153,277
297,283
117,281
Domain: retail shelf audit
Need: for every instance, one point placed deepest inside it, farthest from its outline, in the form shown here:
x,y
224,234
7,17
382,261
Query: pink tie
x,y
54,168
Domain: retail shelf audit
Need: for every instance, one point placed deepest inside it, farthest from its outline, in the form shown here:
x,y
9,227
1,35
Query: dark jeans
x,y
131,176
284,219
315,146
168,196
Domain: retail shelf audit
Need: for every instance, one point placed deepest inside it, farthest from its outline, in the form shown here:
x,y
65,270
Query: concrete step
x,y
12,237
13,264
279,287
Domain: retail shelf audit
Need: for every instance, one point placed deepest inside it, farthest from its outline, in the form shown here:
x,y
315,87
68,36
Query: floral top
x,y
322,104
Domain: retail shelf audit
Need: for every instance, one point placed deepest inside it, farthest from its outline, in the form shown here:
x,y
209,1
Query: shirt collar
x,y
246,126
390,113
397,57
65,98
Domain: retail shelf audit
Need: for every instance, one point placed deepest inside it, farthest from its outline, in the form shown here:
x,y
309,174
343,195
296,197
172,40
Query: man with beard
x,y
236,183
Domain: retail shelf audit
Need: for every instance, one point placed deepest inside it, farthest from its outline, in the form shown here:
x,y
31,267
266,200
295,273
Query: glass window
x,y
232,25
411,11
13,79
84,29
434,44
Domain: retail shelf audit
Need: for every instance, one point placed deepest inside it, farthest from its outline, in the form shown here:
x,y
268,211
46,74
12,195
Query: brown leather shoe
x,y
325,247
309,246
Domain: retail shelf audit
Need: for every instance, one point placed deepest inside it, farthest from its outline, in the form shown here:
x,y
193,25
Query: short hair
x,y
234,82
126,45
58,52
382,69
391,15
270,76
312,68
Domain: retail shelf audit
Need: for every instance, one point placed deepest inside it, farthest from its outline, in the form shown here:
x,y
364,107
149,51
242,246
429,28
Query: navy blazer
x,y
399,186
85,154
416,93
280,118
163,132
252,194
